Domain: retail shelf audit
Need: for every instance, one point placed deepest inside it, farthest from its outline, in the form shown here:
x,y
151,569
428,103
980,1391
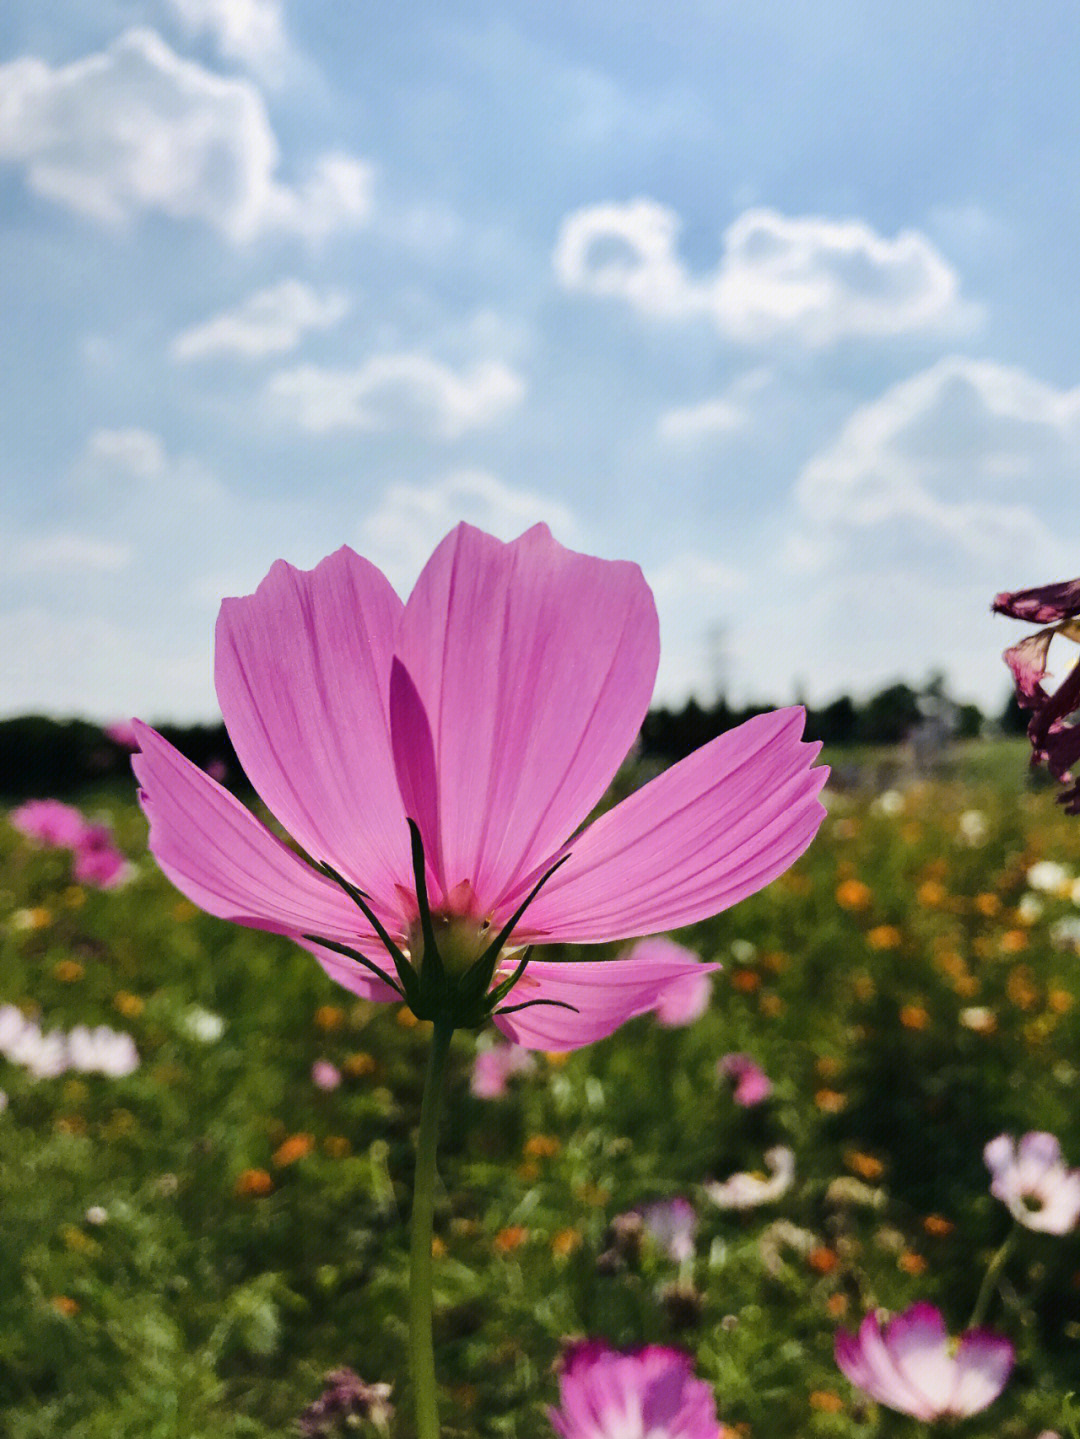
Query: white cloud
x,y
399,390
138,454
808,279
271,322
136,128
251,31
693,424
410,520
66,554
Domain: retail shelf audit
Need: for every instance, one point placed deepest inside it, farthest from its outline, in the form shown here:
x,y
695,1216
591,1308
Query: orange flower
x,y
1060,1001
565,1242
853,894
64,1305
988,904
775,961
912,1263
938,1225
438,1247
542,1146
293,1148
930,893
823,1260
329,1016
510,1238
557,1058
866,1166
884,936
771,1006
68,971
1013,941
826,1401
359,1064
913,1016
830,1101
827,1066
128,1004
745,981
837,1305
252,1183
406,1018
1020,987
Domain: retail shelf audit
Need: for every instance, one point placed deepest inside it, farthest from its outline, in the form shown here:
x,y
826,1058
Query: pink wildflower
x,y
1054,729
1032,1180
672,1223
645,1393
50,822
97,860
909,1364
684,1000
325,1075
492,1068
752,1084
436,759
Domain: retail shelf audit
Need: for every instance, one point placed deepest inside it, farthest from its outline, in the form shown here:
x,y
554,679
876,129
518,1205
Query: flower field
x,y
195,1232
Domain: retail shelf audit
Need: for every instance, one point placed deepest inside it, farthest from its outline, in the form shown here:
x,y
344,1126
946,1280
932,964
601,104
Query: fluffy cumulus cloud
x,y
408,390
953,484
410,520
61,552
137,128
808,279
251,31
709,419
270,322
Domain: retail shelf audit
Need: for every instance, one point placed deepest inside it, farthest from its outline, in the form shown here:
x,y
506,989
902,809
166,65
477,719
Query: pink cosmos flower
x,y
493,1068
1032,1180
672,1223
325,1075
436,759
909,1364
1054,729
684,1000
97,860
641,1394
50,822
752,1084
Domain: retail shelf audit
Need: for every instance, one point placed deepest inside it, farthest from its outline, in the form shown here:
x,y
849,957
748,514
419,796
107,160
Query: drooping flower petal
x,y
682,1001
302,669
605,994
714,828
535,666
219,855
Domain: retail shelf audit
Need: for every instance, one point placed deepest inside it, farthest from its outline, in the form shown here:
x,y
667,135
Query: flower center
x,y
460,941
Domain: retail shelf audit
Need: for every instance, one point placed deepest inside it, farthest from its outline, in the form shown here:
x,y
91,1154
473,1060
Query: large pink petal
x,y
219,855
303,678
885,1382
605,994
535,666
984,1362
714,828
918,1344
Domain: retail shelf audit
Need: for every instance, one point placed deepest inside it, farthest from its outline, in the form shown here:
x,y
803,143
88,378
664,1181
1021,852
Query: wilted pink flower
x,y
752,1084
673,1225
325,1075
910,1364
122,733
97,860
684,1000
747,1191
493,1067
435,759
1032,1180
1054,729
641,1394
50,822
346,1400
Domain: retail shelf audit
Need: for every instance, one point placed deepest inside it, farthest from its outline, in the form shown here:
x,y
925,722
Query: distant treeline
x,y
41,756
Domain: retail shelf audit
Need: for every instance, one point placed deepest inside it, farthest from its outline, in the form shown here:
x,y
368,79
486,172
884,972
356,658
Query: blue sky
x,y
778,300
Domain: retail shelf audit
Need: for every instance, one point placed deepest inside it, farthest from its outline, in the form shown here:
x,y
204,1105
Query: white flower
x,y
1030,908
102,1051
973,827
747,1191
978,1018
96,1215
889,803
203,1025
1049,876
1031,1179
1065,933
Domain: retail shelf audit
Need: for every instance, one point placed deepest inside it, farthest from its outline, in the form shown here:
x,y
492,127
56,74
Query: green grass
x,y
200,1312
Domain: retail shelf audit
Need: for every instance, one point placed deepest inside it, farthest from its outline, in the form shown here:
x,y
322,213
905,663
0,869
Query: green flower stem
x,y
993,1270
421,1348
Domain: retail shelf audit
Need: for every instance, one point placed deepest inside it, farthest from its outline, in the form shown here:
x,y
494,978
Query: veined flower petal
x,y
535,666
219,855
704,834
303,677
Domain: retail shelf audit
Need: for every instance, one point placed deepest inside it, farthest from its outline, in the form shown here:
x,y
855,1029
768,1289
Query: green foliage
x,y
256,1229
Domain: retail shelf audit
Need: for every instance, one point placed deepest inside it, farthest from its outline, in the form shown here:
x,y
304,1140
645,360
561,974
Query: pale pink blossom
x,y
325,1075
638,1394
1032,1180
436,760
50,822
102,1051
910,1364
747,1191
493,1068
684,1000
97,860
752,1084
672,1223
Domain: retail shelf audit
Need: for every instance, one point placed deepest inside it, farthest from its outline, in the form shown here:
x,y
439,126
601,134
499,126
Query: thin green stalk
x,y
993,1270
421,1348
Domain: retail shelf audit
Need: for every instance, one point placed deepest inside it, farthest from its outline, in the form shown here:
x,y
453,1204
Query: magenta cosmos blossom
x,y
435,759
684,1000
643,1394
50,822
910,1364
